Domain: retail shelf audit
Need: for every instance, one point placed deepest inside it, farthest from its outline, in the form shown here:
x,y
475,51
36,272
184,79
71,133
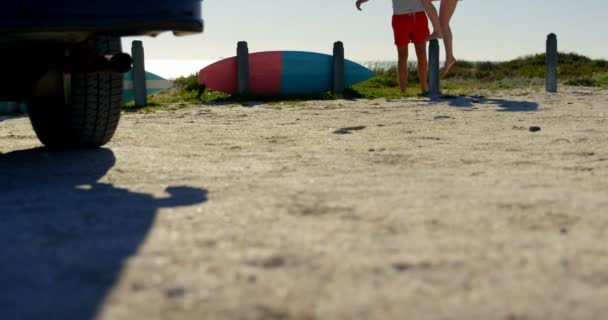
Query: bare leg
x,y
422,66
445,15
402,68
431,12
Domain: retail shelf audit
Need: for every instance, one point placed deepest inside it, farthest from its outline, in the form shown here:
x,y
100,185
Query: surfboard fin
x,y
201,90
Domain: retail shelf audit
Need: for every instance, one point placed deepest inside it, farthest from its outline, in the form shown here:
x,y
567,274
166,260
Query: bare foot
x,y
435,35
449,63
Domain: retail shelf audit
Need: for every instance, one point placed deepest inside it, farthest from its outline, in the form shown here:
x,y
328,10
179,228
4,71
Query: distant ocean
x,y
171,69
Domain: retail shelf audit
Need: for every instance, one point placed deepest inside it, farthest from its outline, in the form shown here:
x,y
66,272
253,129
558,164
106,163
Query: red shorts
x,y
410,28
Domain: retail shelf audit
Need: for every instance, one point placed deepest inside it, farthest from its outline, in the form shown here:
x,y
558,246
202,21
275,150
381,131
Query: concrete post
x,y
551,60
139,74
338,68
242,62
434,89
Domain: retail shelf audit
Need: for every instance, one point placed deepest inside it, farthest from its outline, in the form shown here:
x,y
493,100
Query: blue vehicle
x,y
64,59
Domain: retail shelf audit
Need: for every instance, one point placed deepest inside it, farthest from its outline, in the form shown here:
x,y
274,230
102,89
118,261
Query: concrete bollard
x,y
551,61
139,74
338,68
433,74
242,62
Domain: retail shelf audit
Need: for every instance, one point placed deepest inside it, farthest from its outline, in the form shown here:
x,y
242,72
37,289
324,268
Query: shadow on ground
x,y
503,105
254,100
64,236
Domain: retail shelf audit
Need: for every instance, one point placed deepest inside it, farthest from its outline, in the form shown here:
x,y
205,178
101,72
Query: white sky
x,y
484,29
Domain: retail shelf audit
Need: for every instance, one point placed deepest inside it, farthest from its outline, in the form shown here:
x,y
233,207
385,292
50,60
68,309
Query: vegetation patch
x,y
467,78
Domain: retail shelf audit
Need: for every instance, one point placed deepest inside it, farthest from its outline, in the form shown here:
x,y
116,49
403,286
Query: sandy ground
x,y
366,209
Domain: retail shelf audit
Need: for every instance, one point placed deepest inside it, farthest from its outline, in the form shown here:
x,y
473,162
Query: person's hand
x,y
359,2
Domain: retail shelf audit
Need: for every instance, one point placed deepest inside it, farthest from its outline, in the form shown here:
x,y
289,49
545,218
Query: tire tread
x,y
91,119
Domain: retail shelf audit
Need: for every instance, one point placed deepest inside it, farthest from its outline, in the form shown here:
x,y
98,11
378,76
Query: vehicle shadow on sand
x,y
64,236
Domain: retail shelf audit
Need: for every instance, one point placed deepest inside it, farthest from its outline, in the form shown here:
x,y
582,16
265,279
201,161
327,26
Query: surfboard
x,y
282,72
154,84
12,107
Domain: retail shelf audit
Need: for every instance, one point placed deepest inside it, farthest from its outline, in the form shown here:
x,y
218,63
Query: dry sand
x,y
363,209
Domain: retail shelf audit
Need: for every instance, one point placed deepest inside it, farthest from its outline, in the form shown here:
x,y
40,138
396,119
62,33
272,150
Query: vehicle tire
x,y
81,110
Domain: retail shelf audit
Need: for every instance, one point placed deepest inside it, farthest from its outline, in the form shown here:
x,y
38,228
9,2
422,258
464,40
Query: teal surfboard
x,y
154,84
12,107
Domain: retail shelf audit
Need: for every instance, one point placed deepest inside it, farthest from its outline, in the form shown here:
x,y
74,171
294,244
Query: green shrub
x,y
189,83
589,81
